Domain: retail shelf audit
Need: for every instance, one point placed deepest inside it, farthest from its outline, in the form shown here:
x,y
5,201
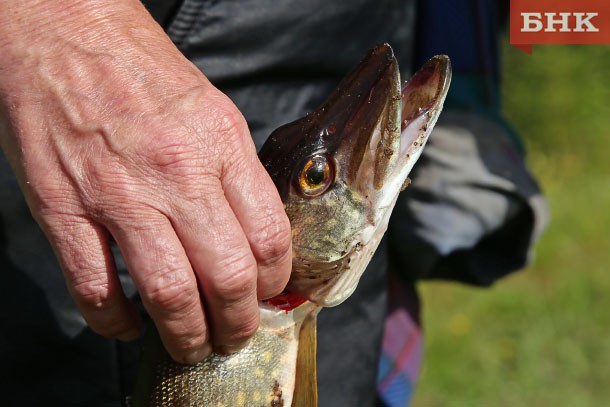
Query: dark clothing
x,y
277,60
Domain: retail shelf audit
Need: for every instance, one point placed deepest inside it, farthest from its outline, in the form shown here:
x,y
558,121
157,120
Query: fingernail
x,y
198,355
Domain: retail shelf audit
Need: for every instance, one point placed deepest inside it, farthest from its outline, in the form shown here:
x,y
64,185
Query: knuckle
x,y
237,279
272,241
169,293
188,343
229,130
225,118
244,330
91,291
101,308
105,179
177,157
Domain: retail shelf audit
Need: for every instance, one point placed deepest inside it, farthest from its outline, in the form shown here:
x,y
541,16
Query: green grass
x,y
540,337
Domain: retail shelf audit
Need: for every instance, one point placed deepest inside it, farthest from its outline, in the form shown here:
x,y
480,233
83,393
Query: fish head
x,y
340,168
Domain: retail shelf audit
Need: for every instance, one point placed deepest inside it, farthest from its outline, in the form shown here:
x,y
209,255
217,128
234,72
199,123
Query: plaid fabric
x,y
402,346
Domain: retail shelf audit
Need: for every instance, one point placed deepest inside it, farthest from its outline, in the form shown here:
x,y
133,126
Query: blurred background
x,y
540,337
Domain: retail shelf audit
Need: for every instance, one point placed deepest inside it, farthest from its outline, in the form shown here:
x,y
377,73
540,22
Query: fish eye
x,y
316,175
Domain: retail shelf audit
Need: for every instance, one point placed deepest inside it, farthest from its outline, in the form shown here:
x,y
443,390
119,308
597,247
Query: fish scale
x,y
255,376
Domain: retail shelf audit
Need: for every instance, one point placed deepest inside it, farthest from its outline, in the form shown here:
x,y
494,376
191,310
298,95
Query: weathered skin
x,y
339,171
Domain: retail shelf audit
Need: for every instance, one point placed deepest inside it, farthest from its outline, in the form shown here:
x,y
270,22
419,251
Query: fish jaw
x,y
422,101
423,96
381,140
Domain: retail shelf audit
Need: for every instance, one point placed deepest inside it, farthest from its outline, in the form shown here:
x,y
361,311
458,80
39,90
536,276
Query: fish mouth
x,y
371,130
426,89
384,135
422,100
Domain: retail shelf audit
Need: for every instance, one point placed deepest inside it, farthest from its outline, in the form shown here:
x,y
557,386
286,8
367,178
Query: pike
x,y
338,171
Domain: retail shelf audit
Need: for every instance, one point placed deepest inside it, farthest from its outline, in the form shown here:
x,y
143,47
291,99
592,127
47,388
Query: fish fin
x,y
306,383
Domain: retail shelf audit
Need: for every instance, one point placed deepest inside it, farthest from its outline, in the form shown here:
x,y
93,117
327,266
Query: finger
x,y
225,267
257,205
167,285
82,248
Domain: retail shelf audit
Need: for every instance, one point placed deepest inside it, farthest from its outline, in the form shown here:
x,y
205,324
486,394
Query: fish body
x,y
262,374
338,171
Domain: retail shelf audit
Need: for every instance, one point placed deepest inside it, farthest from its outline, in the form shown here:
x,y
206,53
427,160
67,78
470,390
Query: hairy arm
x,y
113,134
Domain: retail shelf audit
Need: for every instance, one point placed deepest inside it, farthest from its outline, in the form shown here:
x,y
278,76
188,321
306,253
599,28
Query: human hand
x,y
113,134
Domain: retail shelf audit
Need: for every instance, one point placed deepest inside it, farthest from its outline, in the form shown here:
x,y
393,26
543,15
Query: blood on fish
x,y
286,301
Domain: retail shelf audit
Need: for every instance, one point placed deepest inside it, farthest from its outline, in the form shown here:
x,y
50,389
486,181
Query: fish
x,y
338,171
